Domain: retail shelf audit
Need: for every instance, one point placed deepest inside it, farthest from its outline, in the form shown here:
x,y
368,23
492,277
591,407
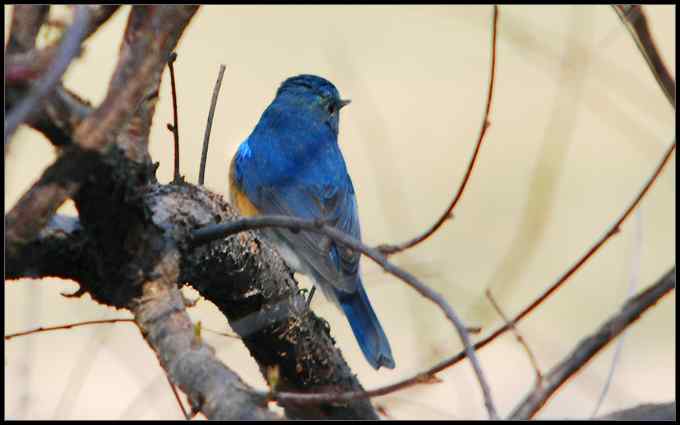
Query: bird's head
x,y
314,94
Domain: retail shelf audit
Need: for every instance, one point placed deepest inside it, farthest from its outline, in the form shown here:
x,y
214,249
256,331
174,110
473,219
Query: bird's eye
x,y
331,107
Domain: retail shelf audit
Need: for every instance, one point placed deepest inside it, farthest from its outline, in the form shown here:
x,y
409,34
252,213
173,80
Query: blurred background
x,y
578,123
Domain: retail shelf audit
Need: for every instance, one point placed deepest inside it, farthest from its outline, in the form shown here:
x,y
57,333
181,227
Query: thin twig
x,y
68,50
208,127
67,326
518,336
590,346
392,249
635,21
175,127
97,322
218,231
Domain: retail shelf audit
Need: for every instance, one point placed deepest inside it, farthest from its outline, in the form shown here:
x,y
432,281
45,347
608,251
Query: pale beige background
x,y
578,124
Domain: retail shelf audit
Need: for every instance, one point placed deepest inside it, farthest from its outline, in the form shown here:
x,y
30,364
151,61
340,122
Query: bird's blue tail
x,y
366,327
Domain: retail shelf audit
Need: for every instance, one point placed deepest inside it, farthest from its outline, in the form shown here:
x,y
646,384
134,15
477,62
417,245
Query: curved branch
x,y
635,21
448,213
41,329
590,346
208,126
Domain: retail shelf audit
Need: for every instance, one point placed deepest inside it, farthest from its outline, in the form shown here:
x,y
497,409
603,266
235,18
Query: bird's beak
x,y
343,103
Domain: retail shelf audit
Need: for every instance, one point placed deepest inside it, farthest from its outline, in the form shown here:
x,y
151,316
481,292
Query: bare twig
x,y
518,336
212,232
67,326
174,127
208,126
635,20
392,249
589,347
69,48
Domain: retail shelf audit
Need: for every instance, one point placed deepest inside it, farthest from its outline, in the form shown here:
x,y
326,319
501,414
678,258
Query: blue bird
x,y
291,164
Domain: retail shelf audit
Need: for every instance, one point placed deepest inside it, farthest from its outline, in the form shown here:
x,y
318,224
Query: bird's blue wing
x,y
333,203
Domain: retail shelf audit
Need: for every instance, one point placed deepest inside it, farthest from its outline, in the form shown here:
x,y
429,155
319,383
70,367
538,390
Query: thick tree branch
x,y
61,250
26,23
242,275
212,388
151,34
590,346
